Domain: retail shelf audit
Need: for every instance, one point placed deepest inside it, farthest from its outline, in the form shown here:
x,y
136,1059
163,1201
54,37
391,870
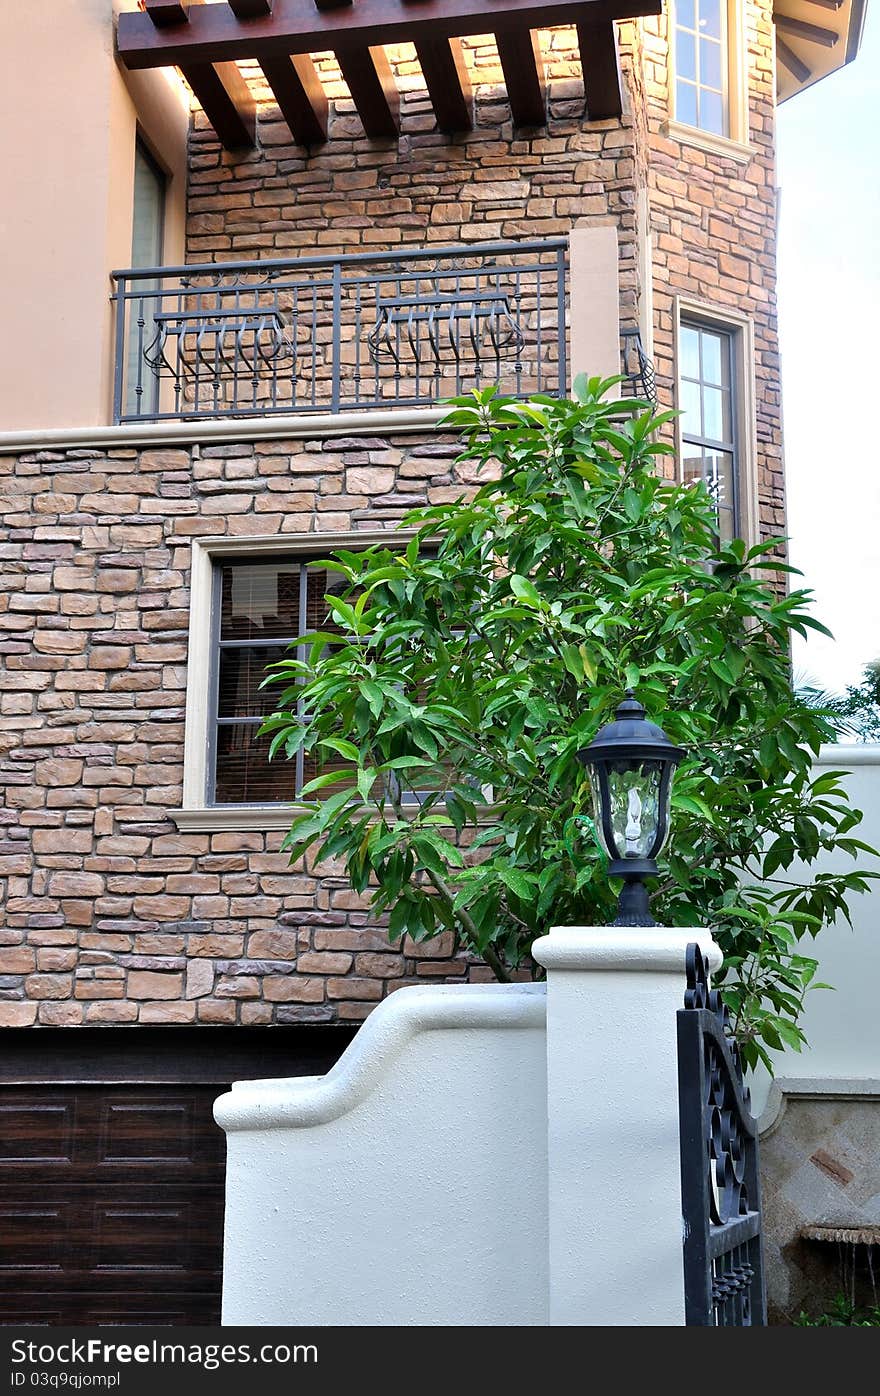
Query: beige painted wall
x,y
68,119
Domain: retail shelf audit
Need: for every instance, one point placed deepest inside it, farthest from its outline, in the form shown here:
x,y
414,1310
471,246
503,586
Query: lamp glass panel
x,y
634,807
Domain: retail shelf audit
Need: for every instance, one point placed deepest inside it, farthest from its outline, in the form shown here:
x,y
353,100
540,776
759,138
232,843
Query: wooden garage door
x,y
112,1170
111,1205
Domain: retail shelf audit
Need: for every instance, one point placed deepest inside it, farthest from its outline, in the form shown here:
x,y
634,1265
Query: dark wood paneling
x,y
226,101
300,95
165,13
789,59
520,54
112,1187
600,61
250,9
121,1056
368,76
446,78
800,29
213,33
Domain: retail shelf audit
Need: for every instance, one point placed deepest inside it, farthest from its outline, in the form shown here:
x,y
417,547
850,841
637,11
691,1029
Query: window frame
x,y
196,813
143,151
736,144
740,331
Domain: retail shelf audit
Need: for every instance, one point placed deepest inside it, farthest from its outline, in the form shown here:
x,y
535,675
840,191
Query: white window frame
x,y
735,145
741,330
195,813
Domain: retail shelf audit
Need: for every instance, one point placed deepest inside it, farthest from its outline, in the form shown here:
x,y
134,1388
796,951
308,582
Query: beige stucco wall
x,y
68,119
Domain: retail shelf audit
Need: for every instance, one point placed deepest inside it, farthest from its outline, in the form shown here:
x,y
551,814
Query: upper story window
x,y
703,65
707,398
260,606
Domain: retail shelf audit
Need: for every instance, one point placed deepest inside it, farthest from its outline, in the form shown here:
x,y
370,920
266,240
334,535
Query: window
x,y
147,239
707,398
702,64
259,607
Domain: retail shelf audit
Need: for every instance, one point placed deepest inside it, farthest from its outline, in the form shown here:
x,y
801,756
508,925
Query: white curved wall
x,y
409,1185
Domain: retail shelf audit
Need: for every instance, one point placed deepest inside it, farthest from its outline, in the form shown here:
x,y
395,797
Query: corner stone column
x,y
613,1139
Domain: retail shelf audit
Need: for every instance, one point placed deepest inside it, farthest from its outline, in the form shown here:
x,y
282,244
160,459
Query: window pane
x,y
686,55
710,63
685,103
712,116
710,18
713,346
689,344
149,210
242,670
686,14
259,600
245,775
691,422
719,479
692,463
716,414
319,585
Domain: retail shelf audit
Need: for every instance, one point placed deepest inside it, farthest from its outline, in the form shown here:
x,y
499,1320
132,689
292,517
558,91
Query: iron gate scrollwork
x,y
720,1187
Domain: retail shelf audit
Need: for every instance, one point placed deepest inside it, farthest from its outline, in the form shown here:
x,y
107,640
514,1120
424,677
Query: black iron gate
x,y
720,1189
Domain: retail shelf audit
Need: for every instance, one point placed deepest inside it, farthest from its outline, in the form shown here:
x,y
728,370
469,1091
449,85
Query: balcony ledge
x,y
292,426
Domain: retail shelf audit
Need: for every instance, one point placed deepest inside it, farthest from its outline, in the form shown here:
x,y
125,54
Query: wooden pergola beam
x,y
165,13
799,29
251,9
789,59
600,63
300,95
214,34
448,83
523,67
226,101
368,76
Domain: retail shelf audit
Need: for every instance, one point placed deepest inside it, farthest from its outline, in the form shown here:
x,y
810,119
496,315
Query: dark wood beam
x,y
214,34
227,102
600,62
300,95
251,9
826,4
448,83
368,76
799,29
523,67
789,59
165,13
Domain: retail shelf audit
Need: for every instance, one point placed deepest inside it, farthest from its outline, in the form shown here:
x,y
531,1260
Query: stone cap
x,y
658,949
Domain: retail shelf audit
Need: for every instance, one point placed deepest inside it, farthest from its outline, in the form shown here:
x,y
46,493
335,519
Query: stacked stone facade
x,y
111,913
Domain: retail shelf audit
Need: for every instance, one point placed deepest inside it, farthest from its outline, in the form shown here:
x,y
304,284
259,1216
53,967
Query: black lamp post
x,y
631,762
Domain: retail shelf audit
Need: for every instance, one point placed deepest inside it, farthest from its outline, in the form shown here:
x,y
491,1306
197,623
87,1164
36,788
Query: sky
x,y
829,319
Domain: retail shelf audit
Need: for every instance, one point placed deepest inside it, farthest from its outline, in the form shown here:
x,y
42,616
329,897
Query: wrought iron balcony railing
x,y
326,334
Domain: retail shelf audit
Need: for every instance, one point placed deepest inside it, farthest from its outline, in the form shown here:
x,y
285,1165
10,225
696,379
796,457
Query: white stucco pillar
x,y
595,302
615,1231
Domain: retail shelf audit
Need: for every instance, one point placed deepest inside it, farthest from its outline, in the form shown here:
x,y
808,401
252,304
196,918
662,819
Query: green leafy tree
x,y
855,713
459,676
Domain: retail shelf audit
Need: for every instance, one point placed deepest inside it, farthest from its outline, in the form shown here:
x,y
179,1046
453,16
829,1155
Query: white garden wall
x,y
843,1025
484,1154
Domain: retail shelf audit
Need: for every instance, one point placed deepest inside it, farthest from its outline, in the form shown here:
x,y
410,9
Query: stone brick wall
x,y
108,913
711,218
713,227
354,194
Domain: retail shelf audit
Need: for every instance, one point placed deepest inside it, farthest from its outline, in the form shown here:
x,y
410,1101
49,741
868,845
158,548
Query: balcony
x,y
333,334
346,333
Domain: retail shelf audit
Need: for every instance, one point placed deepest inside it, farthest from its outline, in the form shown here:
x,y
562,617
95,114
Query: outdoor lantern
x,y
631,762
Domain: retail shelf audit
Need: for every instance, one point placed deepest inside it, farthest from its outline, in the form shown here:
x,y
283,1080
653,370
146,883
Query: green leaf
x,y
524,591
